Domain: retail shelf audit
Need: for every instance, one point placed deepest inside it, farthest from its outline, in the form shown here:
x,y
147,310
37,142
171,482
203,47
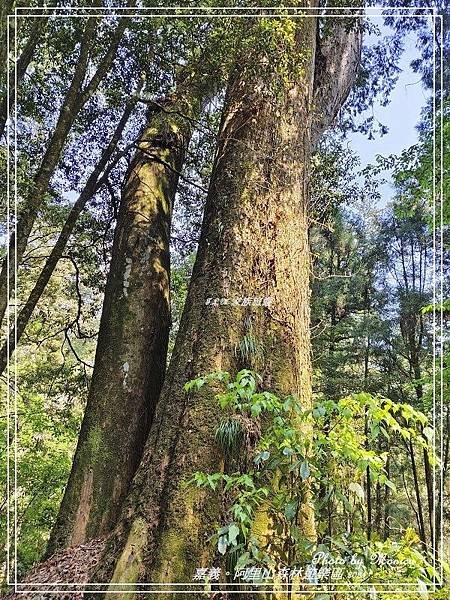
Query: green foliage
x,y
360,306
179,280
286,465
52,384
250,350
278,42
230,436
47,433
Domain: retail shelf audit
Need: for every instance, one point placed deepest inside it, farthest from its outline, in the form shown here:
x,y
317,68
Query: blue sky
x,y
401,115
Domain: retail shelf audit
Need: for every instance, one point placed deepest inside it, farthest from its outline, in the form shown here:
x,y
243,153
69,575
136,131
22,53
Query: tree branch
x,y
338,55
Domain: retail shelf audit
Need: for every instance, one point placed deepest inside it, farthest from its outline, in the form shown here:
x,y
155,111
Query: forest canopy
x,y
224,356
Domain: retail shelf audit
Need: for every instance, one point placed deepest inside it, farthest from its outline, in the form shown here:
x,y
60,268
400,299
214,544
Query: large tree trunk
x,y
254,243
131,353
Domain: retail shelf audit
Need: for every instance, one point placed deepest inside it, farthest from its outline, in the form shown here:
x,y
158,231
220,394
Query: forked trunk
x,y
254,244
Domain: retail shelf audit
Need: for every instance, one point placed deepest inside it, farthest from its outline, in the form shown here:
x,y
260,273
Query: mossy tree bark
x,y
131,353
254,244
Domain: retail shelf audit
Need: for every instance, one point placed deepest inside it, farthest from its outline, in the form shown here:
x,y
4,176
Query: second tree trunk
x,y
131,353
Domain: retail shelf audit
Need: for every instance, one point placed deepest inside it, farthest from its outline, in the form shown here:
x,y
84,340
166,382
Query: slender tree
x,y
34,37
93,183
77,96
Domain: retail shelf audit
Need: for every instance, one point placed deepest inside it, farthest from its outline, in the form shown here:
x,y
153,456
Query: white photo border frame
x,y
219,12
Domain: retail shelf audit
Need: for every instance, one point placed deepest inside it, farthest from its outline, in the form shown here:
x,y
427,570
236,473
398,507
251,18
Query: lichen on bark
x,y
133,337
254,242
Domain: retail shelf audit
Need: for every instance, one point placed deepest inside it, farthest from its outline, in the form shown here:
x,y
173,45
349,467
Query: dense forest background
x,y
119,128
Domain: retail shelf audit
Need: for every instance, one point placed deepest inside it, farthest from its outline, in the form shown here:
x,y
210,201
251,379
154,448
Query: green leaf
x,y
242,561
222,544
255,410
339,544
233,532
390,484
290,510
428,433
194,384
304,470
319,411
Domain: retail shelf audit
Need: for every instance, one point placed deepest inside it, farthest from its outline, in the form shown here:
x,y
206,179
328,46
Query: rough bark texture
x,y
132,345
338,54
253,243
131,354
